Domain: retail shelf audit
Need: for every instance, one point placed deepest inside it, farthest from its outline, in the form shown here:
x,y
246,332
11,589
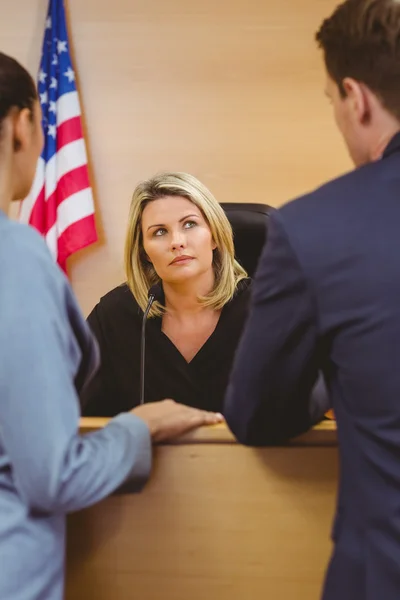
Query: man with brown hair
x,y
327,297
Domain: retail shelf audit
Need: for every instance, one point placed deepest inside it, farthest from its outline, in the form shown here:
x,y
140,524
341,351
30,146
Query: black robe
x,y
116,322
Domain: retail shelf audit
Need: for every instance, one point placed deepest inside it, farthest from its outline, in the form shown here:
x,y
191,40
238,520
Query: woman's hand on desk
x,y
168,419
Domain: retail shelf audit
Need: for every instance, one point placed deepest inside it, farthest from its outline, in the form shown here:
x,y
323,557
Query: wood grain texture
x,y
229,91
216,521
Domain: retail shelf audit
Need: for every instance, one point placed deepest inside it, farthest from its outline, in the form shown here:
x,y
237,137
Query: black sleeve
x,y
98,396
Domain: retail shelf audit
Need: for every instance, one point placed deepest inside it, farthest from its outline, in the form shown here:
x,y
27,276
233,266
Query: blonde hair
x,y
140,274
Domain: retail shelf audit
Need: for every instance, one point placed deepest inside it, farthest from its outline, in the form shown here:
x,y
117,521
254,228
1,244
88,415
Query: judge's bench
x,y
216,521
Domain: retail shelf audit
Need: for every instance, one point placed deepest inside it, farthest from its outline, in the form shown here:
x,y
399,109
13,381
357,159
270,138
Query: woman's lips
x,y
180,260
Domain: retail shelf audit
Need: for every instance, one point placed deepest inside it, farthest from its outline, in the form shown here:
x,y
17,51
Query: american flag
x,y
60,203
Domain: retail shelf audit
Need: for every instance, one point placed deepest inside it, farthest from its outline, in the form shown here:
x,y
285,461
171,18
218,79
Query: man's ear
x,y
22,125
357,97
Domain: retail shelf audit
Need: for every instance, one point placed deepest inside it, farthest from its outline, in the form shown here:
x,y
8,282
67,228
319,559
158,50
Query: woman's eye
x,y
189,224
159,232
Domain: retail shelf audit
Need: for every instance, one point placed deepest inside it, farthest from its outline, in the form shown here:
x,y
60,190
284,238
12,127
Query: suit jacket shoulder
x,y
343,198
326,226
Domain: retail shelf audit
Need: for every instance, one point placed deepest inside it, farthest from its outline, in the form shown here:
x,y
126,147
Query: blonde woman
x,y
178,235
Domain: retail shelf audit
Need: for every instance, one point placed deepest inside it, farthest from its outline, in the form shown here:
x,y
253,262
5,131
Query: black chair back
x,y
249,223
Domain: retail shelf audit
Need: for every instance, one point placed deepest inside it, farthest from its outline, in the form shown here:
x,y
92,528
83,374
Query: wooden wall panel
x,y
231,91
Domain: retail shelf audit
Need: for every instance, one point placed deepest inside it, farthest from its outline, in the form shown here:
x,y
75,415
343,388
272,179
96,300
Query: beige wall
x,y
229,90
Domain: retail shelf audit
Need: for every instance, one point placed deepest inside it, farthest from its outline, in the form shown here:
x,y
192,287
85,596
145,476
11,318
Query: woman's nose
x,y
178,241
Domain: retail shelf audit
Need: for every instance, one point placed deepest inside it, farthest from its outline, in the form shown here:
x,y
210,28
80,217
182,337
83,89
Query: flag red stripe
x,y
80,234
62,216
39,215
68,132
44,213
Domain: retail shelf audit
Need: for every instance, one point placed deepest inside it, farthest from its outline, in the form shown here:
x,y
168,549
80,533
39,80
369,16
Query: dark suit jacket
x,y
327,296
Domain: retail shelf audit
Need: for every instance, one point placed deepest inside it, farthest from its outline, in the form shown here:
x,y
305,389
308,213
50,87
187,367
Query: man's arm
x,y
276,366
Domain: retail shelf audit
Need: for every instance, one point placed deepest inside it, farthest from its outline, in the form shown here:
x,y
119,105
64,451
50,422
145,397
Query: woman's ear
x,y
22,121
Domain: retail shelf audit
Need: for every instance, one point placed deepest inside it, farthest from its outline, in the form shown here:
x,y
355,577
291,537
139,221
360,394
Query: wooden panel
x,y
217,521
231,91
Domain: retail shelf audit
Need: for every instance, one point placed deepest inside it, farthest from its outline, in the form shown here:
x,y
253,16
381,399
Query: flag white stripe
x,y
29,202
52,241
70,157
74,208
68,165
68,107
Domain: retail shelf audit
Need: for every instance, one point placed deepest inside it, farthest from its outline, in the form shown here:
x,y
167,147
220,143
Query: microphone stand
x,y
152,297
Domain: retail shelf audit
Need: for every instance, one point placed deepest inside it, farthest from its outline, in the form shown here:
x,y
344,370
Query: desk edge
x,y
323,434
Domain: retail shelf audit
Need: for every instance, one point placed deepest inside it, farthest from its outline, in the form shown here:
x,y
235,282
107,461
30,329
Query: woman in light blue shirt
x,y
46,468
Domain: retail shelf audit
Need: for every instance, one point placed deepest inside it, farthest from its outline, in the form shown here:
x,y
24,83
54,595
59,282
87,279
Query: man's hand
x,y
168,419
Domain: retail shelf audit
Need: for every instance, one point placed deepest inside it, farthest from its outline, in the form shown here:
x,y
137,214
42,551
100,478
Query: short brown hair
x,y
361,40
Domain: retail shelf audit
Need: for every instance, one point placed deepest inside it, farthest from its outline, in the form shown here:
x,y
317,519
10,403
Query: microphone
x,y
155,293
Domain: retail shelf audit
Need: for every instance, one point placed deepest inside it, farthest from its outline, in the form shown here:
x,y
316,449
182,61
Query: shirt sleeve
x,y
54,468
276,365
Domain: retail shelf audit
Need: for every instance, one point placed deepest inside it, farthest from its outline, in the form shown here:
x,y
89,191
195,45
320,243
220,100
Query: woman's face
x,y
177,239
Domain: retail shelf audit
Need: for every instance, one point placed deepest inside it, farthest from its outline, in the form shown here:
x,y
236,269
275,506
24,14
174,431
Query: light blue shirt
x,y
46,468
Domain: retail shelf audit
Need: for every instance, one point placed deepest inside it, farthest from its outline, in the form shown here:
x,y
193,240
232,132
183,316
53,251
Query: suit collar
x,y
393,146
